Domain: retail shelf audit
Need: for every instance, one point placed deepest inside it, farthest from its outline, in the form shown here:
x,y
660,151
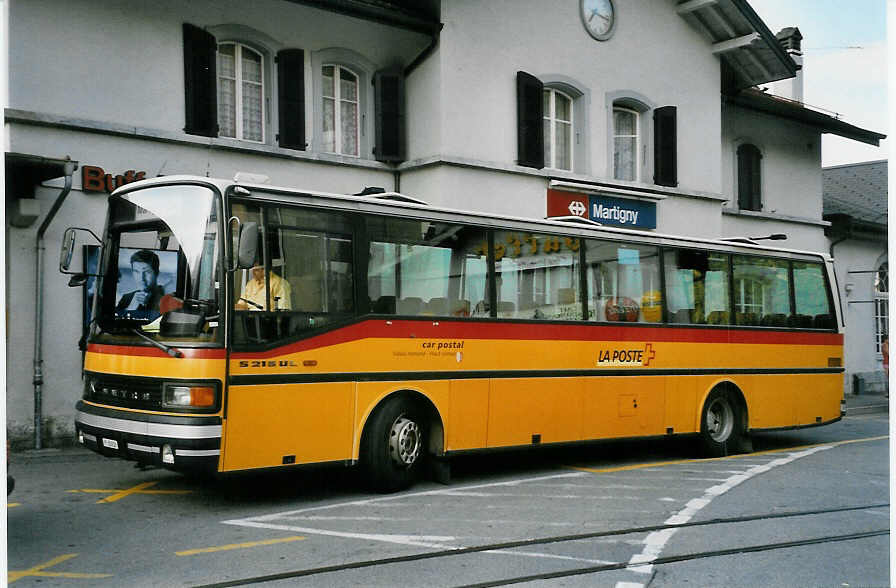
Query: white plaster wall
x,y
122,61
791,161
858,256
423,95
653,52
484,190
62,316
800,236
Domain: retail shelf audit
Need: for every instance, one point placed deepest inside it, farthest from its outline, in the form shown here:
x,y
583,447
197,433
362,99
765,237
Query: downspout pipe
x,y
69,168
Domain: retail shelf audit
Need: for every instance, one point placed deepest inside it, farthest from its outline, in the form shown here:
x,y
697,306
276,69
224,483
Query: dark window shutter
x,y
529,120
291,98
389,133
200,82
749,179
665,146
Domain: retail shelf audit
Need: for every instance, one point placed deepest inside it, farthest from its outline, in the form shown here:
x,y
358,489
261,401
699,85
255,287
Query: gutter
x,y
39,302
433,43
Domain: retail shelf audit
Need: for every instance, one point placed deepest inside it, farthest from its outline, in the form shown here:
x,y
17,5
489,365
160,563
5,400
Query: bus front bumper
x,y
178,442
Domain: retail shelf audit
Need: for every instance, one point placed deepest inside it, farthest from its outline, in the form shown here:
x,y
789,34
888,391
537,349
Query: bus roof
x,y
408,206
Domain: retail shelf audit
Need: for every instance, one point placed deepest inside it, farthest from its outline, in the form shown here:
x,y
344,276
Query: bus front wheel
x,y
719,424
393,447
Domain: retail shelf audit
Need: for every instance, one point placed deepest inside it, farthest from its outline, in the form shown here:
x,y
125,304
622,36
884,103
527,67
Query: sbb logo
x,y
578,208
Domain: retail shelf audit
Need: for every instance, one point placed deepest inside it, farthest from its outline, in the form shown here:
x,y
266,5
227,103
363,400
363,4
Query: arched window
x,y
881,304
341,110
626,144
749,177
558,129
240,92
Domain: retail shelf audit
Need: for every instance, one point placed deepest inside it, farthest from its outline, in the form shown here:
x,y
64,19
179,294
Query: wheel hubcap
x,y
404,442
719,420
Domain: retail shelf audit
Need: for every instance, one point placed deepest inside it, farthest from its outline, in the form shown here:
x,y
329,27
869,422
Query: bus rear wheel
x,y
720,424
393,446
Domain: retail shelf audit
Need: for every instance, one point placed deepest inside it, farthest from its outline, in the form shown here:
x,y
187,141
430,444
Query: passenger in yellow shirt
x,y
253,295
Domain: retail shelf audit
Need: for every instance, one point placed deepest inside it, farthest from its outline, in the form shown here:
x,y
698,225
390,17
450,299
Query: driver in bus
x,y
144,301
253,294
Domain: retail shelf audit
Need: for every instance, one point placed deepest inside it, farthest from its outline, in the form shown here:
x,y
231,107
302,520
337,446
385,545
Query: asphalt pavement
x,y
867,403
807,508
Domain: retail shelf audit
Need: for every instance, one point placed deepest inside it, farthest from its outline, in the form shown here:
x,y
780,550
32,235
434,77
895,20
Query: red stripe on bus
x,y
401,329
154,352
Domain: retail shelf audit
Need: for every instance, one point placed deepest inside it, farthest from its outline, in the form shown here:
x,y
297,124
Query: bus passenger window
x,y
761,291
302,279
537,276
419,268
813,307
697,287
623,282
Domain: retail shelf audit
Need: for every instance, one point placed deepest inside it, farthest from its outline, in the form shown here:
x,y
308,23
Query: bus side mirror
x,y
248,246
68,249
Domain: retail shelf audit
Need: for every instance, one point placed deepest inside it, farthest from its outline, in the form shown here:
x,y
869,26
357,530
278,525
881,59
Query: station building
x,y
660,107
855,205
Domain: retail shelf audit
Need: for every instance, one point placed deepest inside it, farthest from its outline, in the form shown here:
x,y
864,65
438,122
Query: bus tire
x,y
393,446
720,427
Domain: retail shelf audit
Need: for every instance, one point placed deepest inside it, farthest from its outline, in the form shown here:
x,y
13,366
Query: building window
x,y
749,177
558,129
748,296
881,304
626,144
341,110
240,92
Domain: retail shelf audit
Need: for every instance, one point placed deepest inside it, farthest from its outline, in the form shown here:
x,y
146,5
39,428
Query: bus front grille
x,y
127,392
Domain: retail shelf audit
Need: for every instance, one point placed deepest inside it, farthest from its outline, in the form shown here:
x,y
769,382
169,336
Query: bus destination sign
x,y
607,210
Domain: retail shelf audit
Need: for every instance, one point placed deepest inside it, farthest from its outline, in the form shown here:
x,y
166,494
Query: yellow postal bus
x,y
240,327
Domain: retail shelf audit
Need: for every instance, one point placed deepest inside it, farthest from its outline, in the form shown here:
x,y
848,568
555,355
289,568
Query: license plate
x,y
110,443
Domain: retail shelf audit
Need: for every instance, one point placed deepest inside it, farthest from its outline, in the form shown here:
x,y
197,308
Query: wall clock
x,y
599,18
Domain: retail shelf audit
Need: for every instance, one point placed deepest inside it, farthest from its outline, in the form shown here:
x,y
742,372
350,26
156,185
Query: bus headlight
x,y
189,396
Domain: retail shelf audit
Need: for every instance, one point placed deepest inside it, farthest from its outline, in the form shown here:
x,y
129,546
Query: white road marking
x,y
413,540
552,497
575,524
266,521
656,541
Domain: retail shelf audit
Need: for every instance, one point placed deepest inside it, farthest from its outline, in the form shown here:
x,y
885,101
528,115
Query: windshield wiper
x,y
172,351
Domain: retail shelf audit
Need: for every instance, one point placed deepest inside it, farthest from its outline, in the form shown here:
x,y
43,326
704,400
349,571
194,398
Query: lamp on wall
x,y
848,287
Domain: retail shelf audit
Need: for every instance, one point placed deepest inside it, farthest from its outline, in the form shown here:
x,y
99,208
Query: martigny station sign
x,y
607,210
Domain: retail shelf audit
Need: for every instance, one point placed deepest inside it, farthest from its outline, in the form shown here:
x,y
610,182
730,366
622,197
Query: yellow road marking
x,y
117,494
38,570
239,545
685,461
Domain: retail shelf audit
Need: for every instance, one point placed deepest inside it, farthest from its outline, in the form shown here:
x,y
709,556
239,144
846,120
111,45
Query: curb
x,y
868,409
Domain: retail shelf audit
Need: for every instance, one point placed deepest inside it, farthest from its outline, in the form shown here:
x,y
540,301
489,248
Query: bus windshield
x,y
161,266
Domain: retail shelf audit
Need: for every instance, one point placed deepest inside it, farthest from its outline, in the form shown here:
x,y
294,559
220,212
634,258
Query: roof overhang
x,y
24,172
796,111
844,226
747,48
397,13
